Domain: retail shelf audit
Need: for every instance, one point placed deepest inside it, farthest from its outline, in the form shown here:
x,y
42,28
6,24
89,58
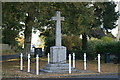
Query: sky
x,y
36,39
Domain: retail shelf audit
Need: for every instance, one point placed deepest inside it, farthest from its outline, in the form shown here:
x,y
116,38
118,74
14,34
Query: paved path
x,y
106,75
103,77
85,77
6,57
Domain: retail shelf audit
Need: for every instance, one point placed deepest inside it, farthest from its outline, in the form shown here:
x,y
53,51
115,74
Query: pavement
x,y
90,77
85,75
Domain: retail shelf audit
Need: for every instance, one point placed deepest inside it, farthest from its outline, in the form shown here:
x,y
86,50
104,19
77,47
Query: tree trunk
x,y
27,35
84,42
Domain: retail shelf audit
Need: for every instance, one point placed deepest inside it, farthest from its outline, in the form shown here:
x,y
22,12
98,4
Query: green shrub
x,y
106,39
91,52
101,47
108,47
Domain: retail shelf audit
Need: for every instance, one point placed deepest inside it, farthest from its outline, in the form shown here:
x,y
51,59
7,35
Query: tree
x,y
20,40
106,14
9,37
10,26
107,39
22,17
80,18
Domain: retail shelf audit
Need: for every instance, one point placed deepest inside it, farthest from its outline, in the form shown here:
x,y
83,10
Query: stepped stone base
x,y
57,68
57,60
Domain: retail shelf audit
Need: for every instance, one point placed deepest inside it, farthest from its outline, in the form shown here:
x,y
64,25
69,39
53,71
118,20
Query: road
x,y
6,57
102,76
92,77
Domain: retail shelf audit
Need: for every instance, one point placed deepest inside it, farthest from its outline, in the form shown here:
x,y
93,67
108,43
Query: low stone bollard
x,y
37,64
69,63
99,63
21,61
28,63
73,60
84,61
48,58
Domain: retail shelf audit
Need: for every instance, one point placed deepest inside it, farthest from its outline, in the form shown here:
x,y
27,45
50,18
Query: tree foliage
x,y
106,39
106,14
80,18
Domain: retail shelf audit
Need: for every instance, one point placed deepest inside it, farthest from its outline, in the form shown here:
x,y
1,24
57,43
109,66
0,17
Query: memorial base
x,y
57,60
57,68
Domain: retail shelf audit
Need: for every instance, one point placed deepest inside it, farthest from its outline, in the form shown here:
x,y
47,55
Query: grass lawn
x,y
11,68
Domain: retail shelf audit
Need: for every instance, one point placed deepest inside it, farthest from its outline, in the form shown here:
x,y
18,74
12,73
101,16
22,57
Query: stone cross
x,y
58,20
57,56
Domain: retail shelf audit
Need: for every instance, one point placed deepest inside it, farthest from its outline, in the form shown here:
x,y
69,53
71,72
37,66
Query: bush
x,y
106,39
73,44
108,47
91,52
101,47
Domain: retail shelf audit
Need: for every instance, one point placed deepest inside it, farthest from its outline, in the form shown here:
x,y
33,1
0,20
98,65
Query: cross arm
x,y
56,18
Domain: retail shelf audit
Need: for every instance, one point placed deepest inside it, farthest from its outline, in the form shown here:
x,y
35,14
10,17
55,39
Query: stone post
x,y
73,60
48,58
37,65
21,62
69,63
84,61
28,62
98,62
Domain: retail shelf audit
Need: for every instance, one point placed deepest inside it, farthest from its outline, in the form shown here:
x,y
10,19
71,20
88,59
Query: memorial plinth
x,y
57,55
